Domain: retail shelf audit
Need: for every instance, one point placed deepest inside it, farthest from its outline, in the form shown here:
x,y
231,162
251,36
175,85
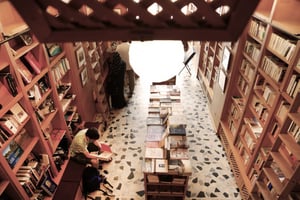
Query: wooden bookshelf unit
x,y
39,88
259,122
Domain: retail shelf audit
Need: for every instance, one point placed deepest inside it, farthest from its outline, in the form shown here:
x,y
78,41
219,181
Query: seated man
x,y
83,144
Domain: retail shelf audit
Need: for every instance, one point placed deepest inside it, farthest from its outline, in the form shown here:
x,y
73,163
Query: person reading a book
x,y
85,144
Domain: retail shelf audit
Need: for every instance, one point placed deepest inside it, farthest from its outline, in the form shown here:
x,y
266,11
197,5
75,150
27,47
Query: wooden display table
x,y
167,185
166,164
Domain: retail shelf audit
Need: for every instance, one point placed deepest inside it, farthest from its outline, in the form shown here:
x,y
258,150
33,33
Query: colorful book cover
x,y
12,153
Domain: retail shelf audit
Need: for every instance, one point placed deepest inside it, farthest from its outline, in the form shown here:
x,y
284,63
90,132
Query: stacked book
x,y
165,142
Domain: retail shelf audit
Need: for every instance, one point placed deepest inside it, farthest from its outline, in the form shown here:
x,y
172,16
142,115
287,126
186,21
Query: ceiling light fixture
x,y
156,61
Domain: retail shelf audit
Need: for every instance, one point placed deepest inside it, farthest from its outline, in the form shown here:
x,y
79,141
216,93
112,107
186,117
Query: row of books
x,y
60,69
253,50
36,178
274,68
243,85
283,46
269,95
294,85
258,29
294,130
248,69
260,109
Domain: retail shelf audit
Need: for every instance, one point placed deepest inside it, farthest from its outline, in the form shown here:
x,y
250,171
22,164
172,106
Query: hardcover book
x,y
149,165
105,147
177,141
8,126
12,153
154,121
154,133
175,120
180,153
10,117
48,185
152,178
27,186
33,62
179,130
154,152
161,165
19,113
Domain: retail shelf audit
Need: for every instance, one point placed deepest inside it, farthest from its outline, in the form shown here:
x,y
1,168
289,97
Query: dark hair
x,y
93,133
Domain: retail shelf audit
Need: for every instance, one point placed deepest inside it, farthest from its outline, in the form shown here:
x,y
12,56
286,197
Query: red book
x,y
105,147
106,152
32,61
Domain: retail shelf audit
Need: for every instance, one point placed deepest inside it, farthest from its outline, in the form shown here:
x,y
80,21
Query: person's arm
x,y
94,156
98,144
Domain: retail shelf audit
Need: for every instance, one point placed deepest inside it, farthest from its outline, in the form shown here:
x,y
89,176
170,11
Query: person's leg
x,y
131,81
81,159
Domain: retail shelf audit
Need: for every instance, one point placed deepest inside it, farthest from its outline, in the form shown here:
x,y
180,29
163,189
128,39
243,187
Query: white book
x,y
9,127
19,113
296,90
292,80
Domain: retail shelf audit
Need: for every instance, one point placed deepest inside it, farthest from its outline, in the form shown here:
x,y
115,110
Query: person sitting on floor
x,y
83,144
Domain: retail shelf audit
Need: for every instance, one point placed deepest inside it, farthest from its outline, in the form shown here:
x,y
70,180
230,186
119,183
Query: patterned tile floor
x,y
211,178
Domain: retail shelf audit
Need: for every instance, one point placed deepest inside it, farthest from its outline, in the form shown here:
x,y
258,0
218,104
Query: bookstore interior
x,y
48,89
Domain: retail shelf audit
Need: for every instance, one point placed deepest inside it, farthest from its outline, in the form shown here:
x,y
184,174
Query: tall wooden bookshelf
x,y
259,124
98,71
38,107
44,127
214,72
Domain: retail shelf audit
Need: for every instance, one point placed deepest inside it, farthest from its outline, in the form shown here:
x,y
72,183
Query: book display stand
x,y
166,164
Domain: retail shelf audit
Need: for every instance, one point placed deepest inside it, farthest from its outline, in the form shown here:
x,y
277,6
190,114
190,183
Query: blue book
x,y
12,153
